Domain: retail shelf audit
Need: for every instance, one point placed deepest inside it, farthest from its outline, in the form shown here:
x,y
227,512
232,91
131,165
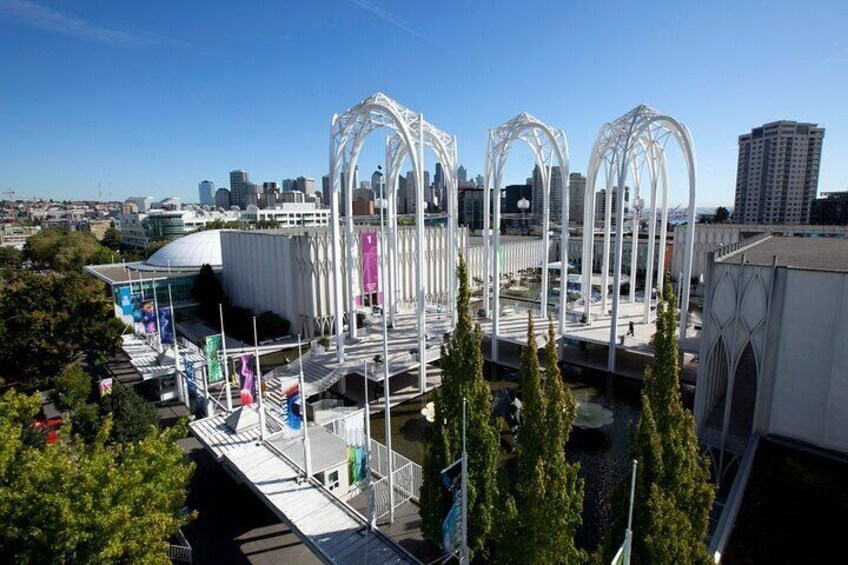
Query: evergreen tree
x,y
674,494
462,377
540,524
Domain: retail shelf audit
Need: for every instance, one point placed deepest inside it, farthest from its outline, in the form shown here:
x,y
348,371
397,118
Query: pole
x,y
372,522
260,407
464,556
158,329
628,535
386,391
307,460
181,389
226,361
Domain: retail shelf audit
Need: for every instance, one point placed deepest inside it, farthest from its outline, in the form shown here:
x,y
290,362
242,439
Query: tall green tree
x,y
66,251
674,493
462,377
538,525
69,502
112,239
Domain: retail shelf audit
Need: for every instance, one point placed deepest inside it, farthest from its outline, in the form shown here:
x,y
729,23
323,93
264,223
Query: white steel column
x,y
619,248
453,203
663,227
565,224
336,237
487,198
546,238
588,257
652,243
634,237
420,259
496,267
350,245
607,227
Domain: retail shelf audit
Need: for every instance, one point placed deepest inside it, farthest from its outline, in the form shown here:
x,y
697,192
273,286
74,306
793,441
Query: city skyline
x,y
143,108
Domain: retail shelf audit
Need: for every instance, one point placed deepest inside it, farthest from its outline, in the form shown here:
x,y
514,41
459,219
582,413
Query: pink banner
x,y
370,263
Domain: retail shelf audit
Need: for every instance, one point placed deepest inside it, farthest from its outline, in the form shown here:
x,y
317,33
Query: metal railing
x,y
726,250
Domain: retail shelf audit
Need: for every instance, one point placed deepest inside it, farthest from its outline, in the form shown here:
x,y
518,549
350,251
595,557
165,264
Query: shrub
x,y
73,386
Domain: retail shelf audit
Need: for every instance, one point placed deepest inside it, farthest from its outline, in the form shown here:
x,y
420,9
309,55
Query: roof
x,y
817,253
117,273
327,450
188,253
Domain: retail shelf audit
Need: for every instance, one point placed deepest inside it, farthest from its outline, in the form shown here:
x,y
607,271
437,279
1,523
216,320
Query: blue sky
x,y
153,97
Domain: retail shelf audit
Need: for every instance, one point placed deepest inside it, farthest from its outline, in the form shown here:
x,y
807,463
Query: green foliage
x,y
543,517
65,251
208,292
99,503
721,215
112,239
73,386
132,416
462,377
674,494
48,320
85,422
10,257
155,246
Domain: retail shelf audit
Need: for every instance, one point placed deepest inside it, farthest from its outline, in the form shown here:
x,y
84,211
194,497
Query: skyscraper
x,y
222,198
306,185
289,184
537,203
479,181
576,189
239,182
377,183
461,175
777,175
601,204
207,190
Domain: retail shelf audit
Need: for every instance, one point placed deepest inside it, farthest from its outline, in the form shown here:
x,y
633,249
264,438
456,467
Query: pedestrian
x,y
631,331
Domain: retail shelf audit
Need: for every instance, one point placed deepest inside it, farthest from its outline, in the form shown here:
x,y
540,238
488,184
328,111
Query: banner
x,y
291,409
452,526
166,326
143,314
370,263
125,300
247,381
105,387
188,371
214,371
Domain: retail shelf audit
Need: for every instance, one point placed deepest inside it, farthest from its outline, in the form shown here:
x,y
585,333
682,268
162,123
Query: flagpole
x,y
181,388
258,383
628,535
156,310
370,487
386,384
464,557
307,460
226,361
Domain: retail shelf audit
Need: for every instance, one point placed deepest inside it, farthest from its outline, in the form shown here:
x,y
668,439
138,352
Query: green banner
x,y
214,372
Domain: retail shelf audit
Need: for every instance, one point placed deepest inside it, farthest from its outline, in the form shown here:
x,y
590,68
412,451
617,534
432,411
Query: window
x,y
333,480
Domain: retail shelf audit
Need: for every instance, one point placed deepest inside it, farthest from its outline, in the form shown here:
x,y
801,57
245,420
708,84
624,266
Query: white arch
x,y
636,138
347,134
547,144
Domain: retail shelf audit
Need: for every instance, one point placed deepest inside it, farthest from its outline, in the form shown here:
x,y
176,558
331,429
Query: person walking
x,y
631,330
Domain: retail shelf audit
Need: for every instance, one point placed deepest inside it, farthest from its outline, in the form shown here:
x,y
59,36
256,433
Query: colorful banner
x,y
166,326
247,381
291,409
188,371
357,469
452,526
125,299
214,371
370,263
143,314
105,387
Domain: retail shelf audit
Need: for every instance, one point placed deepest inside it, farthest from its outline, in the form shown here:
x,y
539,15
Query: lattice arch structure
x,y
549,146
633,146
410,134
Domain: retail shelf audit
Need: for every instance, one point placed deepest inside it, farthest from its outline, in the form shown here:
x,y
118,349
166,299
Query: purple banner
x,y
370,264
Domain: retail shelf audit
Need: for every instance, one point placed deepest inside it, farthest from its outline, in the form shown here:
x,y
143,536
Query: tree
x,y
48,320
61,250
462,377
112,239
73,386
721,215
538,525
132,416
9,257
208,292
99,503
674,494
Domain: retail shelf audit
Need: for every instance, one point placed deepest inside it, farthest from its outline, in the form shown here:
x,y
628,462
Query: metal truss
x,y
633,146
549,147
410,134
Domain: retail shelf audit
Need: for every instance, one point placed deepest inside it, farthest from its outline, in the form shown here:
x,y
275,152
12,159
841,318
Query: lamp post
x,y
524,205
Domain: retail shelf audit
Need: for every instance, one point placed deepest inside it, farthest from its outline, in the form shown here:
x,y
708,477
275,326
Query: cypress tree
x,y
539,525
462,377
673,489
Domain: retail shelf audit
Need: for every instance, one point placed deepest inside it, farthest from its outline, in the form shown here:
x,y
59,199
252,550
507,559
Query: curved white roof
x,y
188,253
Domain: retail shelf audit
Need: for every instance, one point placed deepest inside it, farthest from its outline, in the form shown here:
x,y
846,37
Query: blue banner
x,y
452,526
188,371
166,326
126,301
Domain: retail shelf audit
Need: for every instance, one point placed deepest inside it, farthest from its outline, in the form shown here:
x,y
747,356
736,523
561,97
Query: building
x,y
206,190
461,175
601,204
773,359
576,196
222,198
293,196
171,203
512,195
480,181
239,187
142,203
140,230
289,214
95,227
538,193
777,174
471,209
377,184
306,185
830,210
289,184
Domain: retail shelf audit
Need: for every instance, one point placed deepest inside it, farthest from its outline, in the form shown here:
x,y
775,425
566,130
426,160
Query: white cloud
x,y
387,16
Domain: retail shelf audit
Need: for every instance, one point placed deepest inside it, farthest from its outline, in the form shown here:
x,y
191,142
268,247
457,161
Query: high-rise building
x,y
439,177
306,185
289,184
325,188
538,203
206,191
222,198
601,204
377,182
239,184
461,175
777,175
830,210
576,195
479,181
402,204
512,195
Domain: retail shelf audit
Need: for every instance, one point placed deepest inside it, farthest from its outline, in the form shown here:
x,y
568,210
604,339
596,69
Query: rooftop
x,y
818,253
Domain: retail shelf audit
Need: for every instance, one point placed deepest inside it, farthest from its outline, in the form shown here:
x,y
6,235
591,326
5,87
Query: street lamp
x,y
524,205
